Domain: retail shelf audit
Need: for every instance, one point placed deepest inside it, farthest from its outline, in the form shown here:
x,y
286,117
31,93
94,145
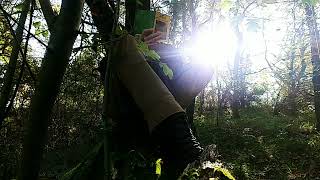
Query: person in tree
x,y
161,99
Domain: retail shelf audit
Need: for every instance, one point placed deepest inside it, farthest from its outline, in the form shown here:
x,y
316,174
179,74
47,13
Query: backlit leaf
x,y
36,24
166,70
45,33
310,2
158,166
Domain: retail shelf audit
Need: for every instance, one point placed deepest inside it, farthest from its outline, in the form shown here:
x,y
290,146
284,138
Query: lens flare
x,y
214,47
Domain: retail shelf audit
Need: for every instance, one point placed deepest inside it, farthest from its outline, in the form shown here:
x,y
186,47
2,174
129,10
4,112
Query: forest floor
x,y
263,146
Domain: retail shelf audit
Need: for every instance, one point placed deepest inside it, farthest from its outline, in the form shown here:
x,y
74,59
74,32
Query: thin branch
x,y
247,7
76,49
14,36
255,72
7,15
83,32
24,56
87,22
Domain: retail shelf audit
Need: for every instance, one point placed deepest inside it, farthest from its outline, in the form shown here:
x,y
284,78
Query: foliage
x,y
207,170
261,145
310,2
78,171
153,55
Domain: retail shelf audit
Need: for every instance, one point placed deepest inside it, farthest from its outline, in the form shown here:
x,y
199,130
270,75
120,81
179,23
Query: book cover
x,y
150,19
143,20
162,24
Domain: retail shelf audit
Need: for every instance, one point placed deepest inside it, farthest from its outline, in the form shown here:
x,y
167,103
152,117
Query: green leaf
x,y
158,166
310,2
19,7
144,49
36,24
153,55
225,5
166,70
45,33
224,172
37,32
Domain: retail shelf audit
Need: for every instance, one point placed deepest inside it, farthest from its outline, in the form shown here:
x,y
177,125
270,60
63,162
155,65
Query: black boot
x,y
178,146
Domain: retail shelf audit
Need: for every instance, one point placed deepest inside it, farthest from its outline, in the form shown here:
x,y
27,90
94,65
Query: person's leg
x,y
143,84
165,117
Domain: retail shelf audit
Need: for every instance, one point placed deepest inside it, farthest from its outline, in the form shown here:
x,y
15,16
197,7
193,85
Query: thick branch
x,y
102,16
47,12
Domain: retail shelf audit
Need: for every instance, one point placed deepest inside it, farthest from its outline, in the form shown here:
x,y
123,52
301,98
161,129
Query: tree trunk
x,y
53,68
242,86
190,115
201,98
219,112
235,105
314,42
292,104
9,75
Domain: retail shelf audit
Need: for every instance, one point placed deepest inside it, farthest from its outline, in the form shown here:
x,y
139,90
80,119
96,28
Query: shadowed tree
x,y
63,35
9,75
315,59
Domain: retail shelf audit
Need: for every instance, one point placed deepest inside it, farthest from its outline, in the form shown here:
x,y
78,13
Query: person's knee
x,y
126,51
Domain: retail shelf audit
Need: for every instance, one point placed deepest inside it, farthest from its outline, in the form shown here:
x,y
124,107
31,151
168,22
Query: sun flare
x,y
215,47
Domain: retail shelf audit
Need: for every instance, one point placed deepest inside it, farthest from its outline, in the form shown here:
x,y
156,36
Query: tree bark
x,y
102,16
315,59
201,103
292,102
219,113
53,68
9,75
235,104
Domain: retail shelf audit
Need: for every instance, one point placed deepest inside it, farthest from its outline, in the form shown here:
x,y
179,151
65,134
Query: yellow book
x,y
162,24
151,19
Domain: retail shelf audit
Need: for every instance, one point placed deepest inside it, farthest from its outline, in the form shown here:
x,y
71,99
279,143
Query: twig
x,y
7,15
24,56
20,49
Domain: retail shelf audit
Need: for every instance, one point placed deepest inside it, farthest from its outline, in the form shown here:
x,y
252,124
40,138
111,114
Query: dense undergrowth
x,y
263,146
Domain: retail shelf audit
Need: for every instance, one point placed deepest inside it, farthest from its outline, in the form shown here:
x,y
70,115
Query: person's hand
x,y
150,37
